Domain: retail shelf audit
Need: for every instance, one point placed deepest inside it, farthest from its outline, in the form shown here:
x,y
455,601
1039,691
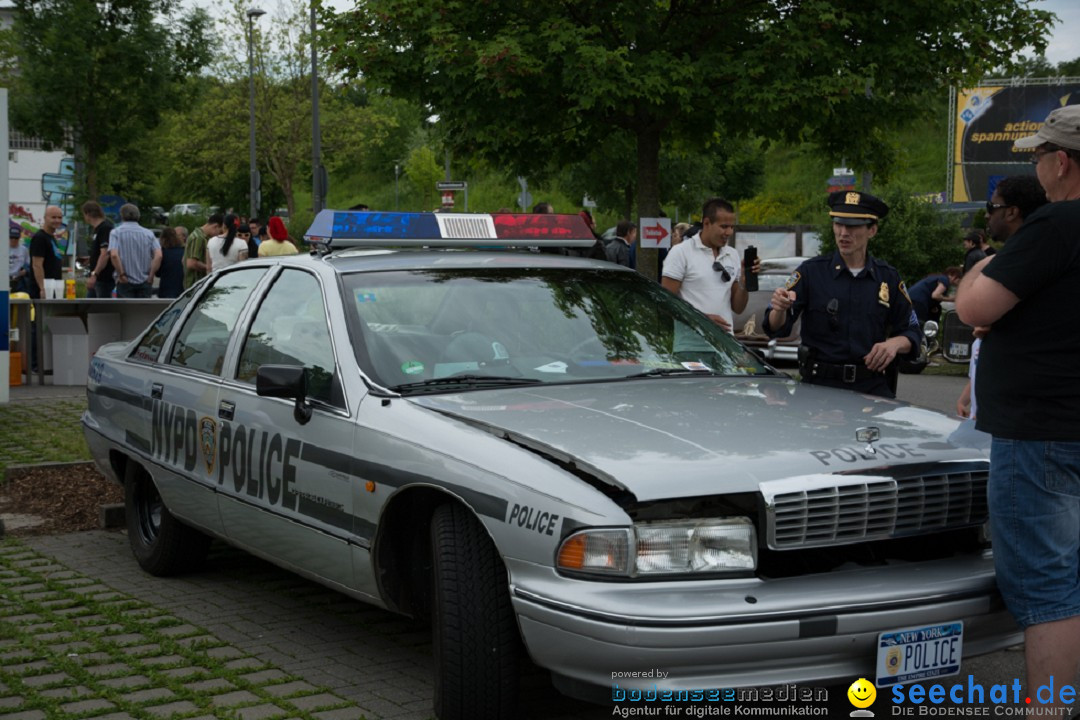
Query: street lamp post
x,y
318,176
253,13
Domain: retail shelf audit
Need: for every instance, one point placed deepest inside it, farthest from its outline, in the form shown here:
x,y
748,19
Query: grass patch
x,y
42,432
940,366
41,668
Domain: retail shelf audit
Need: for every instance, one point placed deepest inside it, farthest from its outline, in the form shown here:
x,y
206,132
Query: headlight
x,y
654,549
929,329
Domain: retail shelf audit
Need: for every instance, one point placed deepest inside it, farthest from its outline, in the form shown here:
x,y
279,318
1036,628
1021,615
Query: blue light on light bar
x,y
338,228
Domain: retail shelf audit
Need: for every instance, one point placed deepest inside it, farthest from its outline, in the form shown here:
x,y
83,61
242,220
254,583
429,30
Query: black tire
x,y
475,635
162,545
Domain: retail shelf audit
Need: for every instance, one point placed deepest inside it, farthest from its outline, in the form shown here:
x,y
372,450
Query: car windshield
x,y
446,330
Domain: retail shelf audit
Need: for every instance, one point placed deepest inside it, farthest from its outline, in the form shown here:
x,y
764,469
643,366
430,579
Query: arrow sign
x,y
656,232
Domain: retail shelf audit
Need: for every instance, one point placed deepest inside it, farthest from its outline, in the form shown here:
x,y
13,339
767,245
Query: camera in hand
x,y
748,259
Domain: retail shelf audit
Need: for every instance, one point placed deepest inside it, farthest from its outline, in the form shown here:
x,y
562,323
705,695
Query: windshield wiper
x,y
663,372
474,380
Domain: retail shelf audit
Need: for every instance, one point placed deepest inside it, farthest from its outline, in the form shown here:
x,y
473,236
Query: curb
x,y
17,471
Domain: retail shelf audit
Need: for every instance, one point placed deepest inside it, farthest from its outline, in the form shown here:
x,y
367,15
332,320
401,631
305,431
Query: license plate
x,y
959,349
919,653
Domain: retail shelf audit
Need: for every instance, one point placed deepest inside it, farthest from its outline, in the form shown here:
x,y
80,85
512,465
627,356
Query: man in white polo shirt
x,y
707,272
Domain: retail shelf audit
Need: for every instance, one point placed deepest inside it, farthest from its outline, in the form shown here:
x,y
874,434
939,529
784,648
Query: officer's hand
x,y
880,356
782,299
720,321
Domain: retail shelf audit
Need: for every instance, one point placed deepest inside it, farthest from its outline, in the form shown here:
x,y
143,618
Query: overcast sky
x,y
1064,42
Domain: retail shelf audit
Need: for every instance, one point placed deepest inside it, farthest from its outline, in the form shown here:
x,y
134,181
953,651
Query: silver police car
x,y
545,455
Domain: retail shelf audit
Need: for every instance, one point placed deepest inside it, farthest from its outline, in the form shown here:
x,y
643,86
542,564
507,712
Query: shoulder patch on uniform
x,y
792,280
903,291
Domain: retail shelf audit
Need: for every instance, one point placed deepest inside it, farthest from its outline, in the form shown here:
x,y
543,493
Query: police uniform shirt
x,y
844,315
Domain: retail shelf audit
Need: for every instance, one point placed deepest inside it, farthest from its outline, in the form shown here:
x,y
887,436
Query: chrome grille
x,y
830,510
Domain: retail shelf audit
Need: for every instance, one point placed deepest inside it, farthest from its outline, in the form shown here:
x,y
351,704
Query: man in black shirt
x,y
1028,393
101,282
44,260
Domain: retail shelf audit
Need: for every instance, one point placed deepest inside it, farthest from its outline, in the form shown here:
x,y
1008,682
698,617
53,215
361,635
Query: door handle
x,y
156,390
226,410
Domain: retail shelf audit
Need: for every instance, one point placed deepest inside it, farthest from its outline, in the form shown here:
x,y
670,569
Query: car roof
x,y
395,259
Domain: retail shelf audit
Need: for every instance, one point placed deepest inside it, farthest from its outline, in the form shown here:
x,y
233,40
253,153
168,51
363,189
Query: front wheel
x,y
475,635
162,545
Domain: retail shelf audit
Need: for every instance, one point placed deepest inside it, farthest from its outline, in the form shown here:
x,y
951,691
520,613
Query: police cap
x,y
849,207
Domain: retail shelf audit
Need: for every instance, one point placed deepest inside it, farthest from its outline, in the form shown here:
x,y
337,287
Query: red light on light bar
x,y
541,226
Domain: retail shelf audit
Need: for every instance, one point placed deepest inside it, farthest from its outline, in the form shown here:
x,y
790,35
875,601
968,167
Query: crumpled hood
x,y
686,437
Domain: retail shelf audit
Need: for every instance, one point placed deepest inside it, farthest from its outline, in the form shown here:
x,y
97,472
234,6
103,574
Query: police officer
x,y
857,317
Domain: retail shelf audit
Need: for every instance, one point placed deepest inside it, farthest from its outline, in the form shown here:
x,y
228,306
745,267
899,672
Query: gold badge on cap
x,y
883,294
852,198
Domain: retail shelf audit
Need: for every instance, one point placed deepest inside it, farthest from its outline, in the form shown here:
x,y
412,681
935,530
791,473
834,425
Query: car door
x,y
286,490
182,396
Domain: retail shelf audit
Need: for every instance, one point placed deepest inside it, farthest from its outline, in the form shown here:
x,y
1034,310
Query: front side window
x,y
290,328
204,337
426,330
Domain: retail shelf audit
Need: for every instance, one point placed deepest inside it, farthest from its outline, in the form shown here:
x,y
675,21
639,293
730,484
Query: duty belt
x,y
849,373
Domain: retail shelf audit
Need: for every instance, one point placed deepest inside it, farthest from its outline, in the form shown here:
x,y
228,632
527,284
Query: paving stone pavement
x,y
307,651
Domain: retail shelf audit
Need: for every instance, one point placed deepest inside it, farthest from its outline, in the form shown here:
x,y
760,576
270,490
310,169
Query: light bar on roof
x,y
349,228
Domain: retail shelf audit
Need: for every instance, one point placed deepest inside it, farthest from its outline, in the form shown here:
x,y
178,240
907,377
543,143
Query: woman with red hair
x,y
278,242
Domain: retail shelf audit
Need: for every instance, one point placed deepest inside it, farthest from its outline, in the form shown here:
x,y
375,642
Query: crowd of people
x,y
126,259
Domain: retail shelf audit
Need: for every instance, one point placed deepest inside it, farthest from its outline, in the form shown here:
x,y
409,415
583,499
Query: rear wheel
x,y
475,635
162,545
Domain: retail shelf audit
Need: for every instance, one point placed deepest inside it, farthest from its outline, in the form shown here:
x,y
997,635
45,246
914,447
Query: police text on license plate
x,y
919,653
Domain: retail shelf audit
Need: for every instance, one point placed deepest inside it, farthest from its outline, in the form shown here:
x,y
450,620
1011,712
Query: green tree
x,y
204,148
94,76
527,81
1038,66
423,172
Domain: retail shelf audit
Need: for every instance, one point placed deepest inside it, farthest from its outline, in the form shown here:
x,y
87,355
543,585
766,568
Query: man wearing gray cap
x,y
1028,388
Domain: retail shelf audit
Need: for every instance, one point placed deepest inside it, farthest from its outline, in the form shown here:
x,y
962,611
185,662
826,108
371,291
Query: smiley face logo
x,y
862,693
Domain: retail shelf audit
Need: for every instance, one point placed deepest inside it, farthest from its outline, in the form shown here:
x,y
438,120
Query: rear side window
x,y
149,347
204,337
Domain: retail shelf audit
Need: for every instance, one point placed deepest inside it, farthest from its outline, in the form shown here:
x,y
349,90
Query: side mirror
x,y
285,381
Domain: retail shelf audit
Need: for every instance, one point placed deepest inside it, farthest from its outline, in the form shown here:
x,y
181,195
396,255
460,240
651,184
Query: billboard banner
x,y
988,119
